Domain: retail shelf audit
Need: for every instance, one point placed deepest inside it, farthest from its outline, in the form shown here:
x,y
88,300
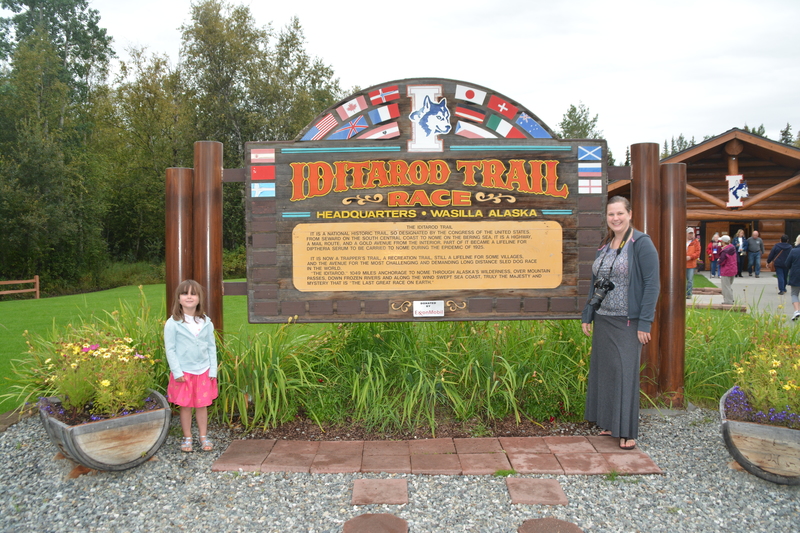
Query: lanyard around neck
x,y
619,250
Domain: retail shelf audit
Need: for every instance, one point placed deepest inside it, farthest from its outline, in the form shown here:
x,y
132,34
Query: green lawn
x,y
16,316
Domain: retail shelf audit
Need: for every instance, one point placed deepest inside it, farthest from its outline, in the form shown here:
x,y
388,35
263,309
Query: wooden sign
x,y
423,199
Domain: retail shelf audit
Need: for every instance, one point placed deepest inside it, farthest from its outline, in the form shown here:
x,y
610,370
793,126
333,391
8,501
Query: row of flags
x,y
493,118
479,114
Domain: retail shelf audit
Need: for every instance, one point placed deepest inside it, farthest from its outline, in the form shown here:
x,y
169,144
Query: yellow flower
x,y
776,363
105,383
787,387
74,365
740,370
773,372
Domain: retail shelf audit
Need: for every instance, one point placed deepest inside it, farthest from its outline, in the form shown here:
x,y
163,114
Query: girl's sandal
x,y
206,444
186,444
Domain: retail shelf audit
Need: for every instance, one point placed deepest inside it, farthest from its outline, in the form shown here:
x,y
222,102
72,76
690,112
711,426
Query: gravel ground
x,y
697,493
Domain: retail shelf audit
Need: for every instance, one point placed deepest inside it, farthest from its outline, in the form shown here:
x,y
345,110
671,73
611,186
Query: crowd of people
x,y
730,257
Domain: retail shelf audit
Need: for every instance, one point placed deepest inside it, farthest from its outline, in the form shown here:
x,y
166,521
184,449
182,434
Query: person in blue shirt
x,y
777,257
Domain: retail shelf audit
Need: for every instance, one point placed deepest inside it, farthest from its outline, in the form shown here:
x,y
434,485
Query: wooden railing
x,y
35,288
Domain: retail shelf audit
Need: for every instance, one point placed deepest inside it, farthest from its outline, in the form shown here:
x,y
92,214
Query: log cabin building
x,y
770,169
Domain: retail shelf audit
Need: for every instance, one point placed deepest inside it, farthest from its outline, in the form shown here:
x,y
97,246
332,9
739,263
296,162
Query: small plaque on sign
x,y
433,308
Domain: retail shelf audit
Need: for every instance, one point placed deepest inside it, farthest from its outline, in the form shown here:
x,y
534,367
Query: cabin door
x,y
711,228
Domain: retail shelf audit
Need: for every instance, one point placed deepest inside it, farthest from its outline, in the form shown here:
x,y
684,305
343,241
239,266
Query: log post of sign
x,y
178,238
207,225
646,207
194,227
672,303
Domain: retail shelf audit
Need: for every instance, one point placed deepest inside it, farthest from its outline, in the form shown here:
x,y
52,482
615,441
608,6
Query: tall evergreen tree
x,y
577,123
786,134
51,203
761,130
247,89
150,124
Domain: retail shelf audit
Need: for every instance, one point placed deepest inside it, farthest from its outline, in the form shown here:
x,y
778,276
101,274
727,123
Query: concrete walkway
x,y
756,294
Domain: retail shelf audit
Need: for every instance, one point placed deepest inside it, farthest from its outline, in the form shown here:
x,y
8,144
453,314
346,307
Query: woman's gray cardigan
x,y
644,283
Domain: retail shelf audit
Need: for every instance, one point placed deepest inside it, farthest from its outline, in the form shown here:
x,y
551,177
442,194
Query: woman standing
x,y
740,243
618,316
712,251
692,255
728,267
778,256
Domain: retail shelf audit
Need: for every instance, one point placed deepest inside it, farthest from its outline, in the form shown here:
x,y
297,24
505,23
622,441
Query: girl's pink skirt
x,y
195,391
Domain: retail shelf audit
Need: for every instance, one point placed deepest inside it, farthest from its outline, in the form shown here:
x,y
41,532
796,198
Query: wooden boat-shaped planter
x,y
769,452
116,443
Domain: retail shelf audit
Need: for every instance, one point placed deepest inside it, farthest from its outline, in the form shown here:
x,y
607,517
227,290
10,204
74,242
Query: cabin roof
x,y
754,146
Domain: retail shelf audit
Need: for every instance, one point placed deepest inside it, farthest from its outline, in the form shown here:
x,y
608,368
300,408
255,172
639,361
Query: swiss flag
x,y
501,106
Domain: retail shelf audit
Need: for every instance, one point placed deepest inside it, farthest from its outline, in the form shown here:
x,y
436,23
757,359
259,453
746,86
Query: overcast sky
x,y
651,70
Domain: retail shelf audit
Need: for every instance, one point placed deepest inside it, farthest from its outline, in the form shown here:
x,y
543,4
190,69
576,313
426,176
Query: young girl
x,y
192,356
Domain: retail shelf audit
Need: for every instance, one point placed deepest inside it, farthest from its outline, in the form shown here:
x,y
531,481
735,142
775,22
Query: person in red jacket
x,y
712,250
692,255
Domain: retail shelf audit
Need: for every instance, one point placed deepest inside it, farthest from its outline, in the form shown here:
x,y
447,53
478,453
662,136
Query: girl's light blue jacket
x,y
187,353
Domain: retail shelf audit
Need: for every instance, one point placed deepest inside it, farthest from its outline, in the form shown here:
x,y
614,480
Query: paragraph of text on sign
x,y
399,256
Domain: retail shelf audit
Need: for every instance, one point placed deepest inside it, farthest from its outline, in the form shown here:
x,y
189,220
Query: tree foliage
x,y
83,159
786,134
51,201
577,123
246,88
761,130
676,144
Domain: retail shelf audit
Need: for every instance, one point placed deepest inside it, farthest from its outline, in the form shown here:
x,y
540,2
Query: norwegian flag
x,y
384,94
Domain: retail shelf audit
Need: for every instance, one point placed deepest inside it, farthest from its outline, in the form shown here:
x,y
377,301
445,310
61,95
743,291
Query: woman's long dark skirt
x,y
612,395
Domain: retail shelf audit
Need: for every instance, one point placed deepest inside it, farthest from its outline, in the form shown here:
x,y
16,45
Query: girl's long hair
x,y
616,200
185,287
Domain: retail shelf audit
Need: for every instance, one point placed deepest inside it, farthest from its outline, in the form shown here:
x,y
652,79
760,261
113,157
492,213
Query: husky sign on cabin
x,y
422,191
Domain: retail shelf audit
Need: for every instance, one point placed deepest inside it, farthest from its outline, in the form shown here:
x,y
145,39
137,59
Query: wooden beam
x,y
694,191
749,202
233,175
618,185
747,214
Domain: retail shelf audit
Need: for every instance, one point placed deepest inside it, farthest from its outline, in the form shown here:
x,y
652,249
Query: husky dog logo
x,y
433,118
430,119
737,189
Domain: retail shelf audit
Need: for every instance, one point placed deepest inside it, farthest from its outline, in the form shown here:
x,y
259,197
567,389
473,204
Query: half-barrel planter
x,y
113,444
769,452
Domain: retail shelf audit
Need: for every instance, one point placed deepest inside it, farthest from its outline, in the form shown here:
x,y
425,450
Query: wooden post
x,y
207,225
646,207
178,238
672,304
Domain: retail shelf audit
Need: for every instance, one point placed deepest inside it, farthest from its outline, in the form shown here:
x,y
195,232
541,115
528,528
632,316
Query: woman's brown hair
x,y
185,287
616,200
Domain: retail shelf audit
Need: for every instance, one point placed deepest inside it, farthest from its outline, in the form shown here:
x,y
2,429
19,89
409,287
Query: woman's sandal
x,y
623,443
206,444
605,433
186,444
